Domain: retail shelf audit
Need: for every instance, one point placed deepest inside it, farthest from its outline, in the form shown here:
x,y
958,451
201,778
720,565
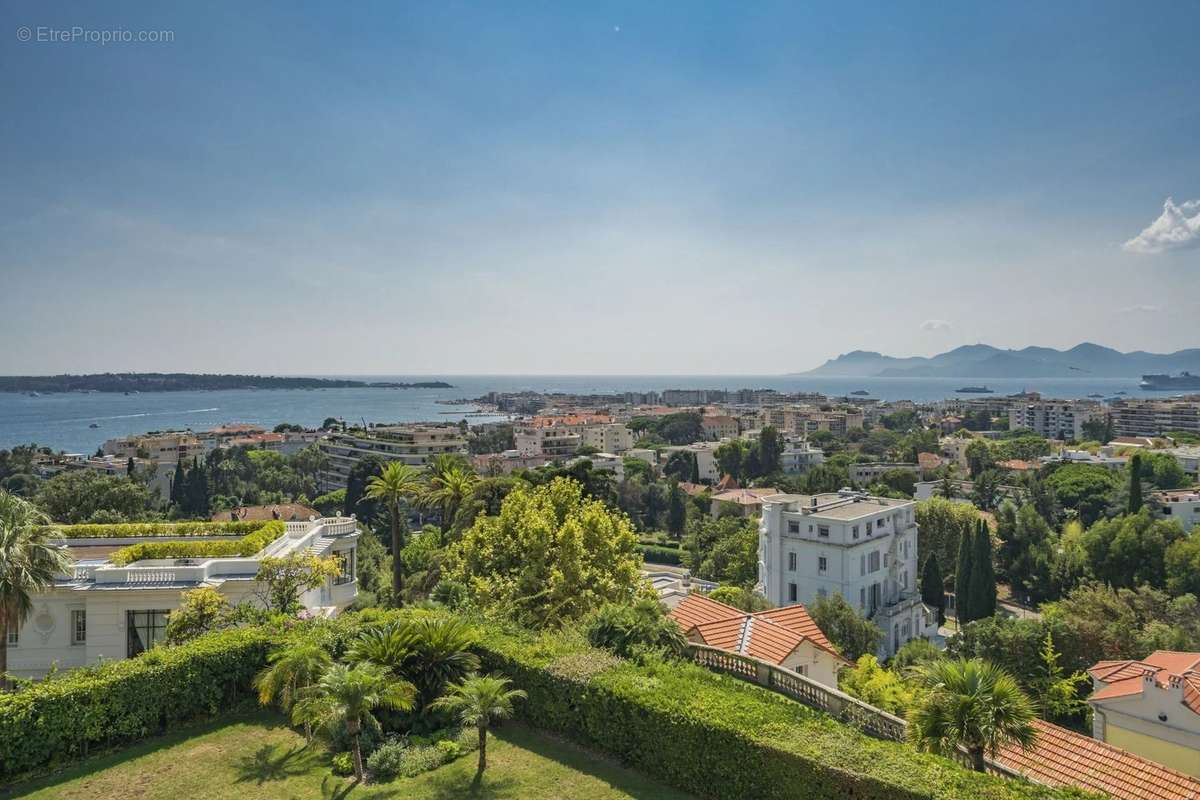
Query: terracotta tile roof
x,y
1061,757
1017,465
768,635
549,421
744,497
928,460
726,484
1127,678
693,489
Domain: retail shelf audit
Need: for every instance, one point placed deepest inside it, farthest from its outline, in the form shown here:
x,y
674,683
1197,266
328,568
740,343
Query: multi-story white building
x,y
1188,458
849,543
609,437
412,444
169,447
801,420
1055,419
871,471
801,457
110,612
1181,505
560,435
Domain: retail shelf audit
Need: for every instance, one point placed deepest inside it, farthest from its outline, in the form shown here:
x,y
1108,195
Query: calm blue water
x,y
62,421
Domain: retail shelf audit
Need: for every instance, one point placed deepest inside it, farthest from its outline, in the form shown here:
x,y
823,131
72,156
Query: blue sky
x,y
614,187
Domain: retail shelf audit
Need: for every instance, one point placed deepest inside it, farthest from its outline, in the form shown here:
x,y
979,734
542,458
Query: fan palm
x,y
973,704
290,671
29,562
477,701
394,486
345,696
448,491
431,651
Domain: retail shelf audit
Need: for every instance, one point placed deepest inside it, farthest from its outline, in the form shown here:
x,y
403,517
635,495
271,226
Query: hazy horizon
x,y
617,189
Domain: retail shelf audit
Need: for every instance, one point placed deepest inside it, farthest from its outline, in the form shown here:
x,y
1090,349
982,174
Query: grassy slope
x,y
257,757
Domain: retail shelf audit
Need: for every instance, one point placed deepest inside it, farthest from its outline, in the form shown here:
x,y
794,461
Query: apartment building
x,y
560,435
719,426
1135,417
412,444
849,543
871,471
104,611
800,457
803,420
1055,419
1188,458
167,447
1150,707
1181,505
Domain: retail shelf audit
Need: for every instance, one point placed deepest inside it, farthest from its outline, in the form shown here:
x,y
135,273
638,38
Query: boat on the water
x,y
975,390
1184,380
860,393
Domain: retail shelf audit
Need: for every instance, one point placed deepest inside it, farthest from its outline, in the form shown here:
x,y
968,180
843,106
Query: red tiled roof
x,y
1127,678
768,635
928,460
1061,757
726,484
693,489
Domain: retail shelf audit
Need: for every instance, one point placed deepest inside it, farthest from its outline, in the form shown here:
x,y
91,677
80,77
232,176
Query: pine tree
x,y
129,467
983,574
962,576
1135,483
933,588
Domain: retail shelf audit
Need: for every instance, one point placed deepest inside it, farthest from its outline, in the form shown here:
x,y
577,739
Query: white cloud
x,y
1140,308
1177,228
935,325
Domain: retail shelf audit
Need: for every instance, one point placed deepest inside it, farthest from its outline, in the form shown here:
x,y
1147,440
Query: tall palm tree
x,y
431,651
345,696
394,486
29,562
971,703
477,701
290,671
448,491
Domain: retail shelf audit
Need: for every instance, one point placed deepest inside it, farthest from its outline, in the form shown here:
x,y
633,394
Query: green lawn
x,y
258,757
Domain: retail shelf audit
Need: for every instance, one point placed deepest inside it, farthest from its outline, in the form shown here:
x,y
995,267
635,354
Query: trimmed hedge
x,y
123,701
657,554
129,530
718,737
246,546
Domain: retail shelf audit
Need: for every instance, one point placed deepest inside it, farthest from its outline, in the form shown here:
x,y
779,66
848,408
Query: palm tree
x,y
29,562
973,704
430,651
291,670
345,696
394,486
448,491
477,701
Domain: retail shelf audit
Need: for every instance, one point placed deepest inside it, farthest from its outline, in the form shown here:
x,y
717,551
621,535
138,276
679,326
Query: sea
x,y
79,422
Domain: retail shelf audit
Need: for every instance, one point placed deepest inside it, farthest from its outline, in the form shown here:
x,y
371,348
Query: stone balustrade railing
x,y
839,705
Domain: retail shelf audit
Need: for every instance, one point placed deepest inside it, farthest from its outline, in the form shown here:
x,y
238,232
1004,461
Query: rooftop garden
x,y
131,530
263,534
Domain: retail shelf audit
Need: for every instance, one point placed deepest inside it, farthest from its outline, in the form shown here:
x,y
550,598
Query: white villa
x,y
849,543
105,611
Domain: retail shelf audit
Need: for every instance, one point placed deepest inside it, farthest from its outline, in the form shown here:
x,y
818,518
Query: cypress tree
x,y
962,575
178,486
695,476
1135,483
676,512
983,574
933,588
129,467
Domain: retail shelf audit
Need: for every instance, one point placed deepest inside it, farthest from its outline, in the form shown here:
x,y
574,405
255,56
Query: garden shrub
x,y
343,764
245,547
657,554
384,764
123,701
716,737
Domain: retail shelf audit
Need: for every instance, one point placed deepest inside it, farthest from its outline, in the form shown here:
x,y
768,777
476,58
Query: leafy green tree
x,y
986,489
770,450
29,562
477,701
345,696
902,481
739,597
854,635
1057,692
731,458
394,487
1183,566
1107,623
979,456
85,496
1131,550
972,704
941,524
289,672
872,683
200,611
285,578
1163,470
1027,551
933,588
1084,488
724,550
913,653
550,556
355,501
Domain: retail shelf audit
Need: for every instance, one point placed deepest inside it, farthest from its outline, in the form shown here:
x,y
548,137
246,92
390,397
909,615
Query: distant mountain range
x,y
1085,360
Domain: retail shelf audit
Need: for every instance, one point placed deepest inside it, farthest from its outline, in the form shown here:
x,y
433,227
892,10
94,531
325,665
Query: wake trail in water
x,y
135,416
